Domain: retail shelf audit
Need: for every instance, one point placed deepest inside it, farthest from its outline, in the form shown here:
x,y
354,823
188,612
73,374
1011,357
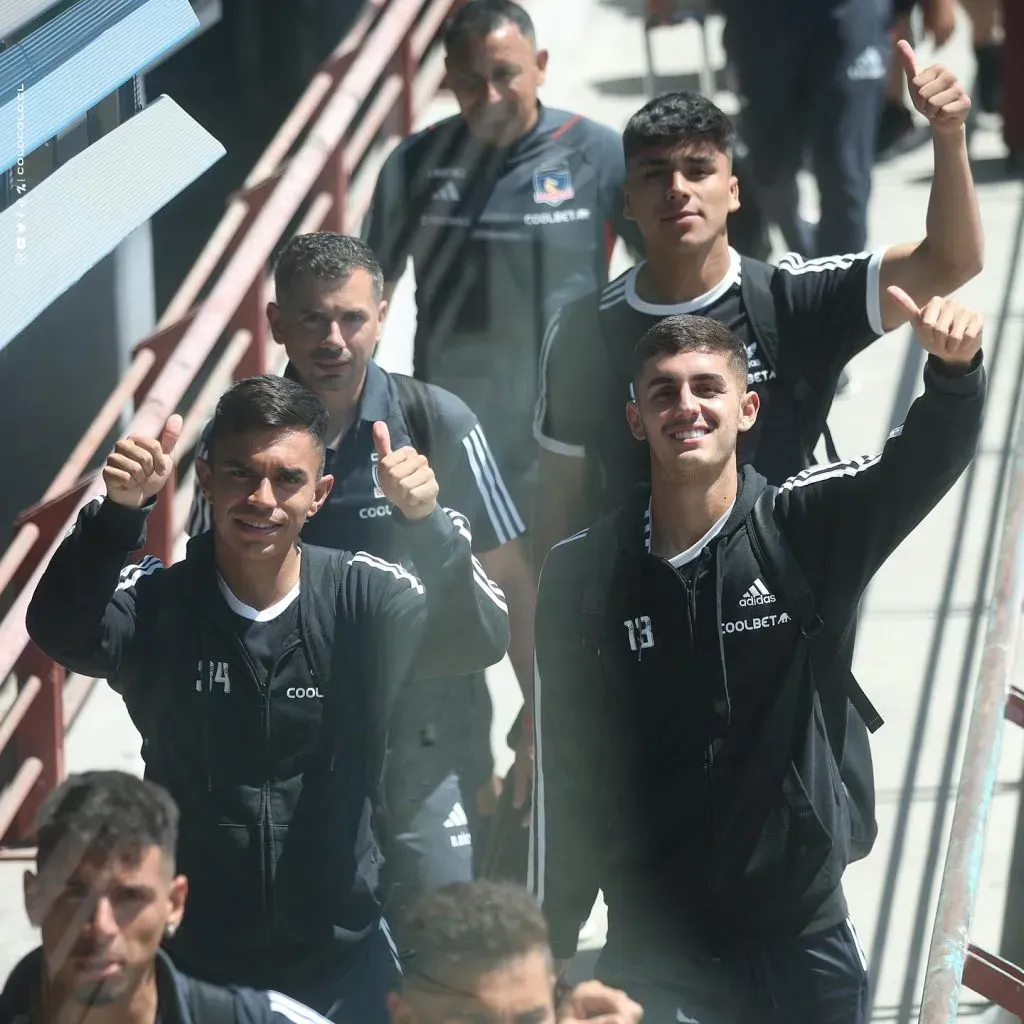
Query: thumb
x,y
909,60
902,299
382,439
172,431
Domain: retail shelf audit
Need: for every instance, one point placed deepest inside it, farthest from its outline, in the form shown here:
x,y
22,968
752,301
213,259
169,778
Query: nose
x,y
678,185
688,404
336,336
102,922
492,94
262,494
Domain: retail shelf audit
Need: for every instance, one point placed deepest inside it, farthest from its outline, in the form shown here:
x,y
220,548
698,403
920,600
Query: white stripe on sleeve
x,y
398,571
501,510
292,1010
830,471
131,574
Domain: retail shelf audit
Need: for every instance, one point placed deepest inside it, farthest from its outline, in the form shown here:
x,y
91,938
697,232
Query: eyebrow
x,y
704,159
293,474
667,378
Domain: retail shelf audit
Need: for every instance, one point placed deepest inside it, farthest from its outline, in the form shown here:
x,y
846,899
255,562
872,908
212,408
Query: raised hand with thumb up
x,y
138,467
406,478
944,328
935,91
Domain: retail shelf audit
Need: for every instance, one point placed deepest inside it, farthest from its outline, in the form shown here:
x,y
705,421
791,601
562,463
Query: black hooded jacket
x,y
682,764
276,777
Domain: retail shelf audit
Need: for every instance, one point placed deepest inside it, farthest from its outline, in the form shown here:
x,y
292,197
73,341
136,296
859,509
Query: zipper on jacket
x,y
268,852
690,587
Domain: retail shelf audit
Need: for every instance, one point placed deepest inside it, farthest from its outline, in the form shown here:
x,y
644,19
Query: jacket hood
x,y
632,535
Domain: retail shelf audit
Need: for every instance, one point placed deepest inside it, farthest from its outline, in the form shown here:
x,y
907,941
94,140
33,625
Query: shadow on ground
x,y
634,86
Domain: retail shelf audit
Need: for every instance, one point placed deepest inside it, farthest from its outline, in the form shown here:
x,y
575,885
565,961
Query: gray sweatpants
x,y
439,756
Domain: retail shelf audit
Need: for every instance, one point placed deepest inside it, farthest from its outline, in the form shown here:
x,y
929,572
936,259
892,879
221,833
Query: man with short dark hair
x,y
261,673
479,951
104,894
802,321
690,722
508,210
328,315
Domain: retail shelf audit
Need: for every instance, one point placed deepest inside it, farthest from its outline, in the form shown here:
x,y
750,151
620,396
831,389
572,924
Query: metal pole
x,y
962,871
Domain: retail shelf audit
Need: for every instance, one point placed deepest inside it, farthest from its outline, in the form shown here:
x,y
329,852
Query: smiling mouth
x,y
257,524
692,434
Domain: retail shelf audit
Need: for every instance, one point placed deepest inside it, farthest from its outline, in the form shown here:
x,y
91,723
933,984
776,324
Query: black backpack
x,y
210,1004
849,714
758,303
848,719
419,409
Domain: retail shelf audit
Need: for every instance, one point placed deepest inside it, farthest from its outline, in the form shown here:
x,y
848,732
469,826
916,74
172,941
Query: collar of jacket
x,y
634,509
317,579
16,998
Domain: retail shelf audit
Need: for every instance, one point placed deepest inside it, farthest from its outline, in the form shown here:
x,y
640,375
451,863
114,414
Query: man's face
x,y
690,408
495,81
329,329
262,487
520,991
102,921
680,196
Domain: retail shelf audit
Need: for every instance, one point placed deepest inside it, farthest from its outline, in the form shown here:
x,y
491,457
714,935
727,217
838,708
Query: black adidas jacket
x,y
180,999
681,761
275,792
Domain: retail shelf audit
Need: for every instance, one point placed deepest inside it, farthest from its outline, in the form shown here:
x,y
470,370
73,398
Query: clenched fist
x,y
138,467
944,328
935,92
406,478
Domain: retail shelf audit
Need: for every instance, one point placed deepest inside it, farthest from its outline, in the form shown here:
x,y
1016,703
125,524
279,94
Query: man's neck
x,y
341,407
138,1007
259,583
671,279
682,511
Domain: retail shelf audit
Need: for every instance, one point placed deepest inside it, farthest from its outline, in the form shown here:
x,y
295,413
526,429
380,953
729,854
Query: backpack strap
x,y
210,1004
416,403
759,305
776,558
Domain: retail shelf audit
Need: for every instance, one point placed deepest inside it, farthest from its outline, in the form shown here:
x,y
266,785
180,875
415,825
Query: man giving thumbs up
x,y
261,673
138,467
405,476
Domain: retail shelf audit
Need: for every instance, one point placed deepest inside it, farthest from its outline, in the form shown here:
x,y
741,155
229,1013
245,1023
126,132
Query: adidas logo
x,y
447,193
457,819
869,66
756,594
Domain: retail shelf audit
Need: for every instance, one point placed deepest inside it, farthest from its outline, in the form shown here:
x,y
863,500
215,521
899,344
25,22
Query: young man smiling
x,y
688,751
802,321
261,673
329,315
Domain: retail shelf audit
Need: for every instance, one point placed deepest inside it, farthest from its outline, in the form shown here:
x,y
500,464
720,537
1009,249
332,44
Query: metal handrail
x,y
388,42
950,949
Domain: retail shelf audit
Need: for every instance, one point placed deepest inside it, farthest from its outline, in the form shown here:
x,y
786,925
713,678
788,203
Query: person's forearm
x,y
954,235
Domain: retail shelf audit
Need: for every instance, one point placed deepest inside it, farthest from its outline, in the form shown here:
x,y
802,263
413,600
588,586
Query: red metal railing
x,y
387,63
953,960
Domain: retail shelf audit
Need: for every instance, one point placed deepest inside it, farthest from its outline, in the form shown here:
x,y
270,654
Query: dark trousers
x,y
814,979
812,78
439,757
358,993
